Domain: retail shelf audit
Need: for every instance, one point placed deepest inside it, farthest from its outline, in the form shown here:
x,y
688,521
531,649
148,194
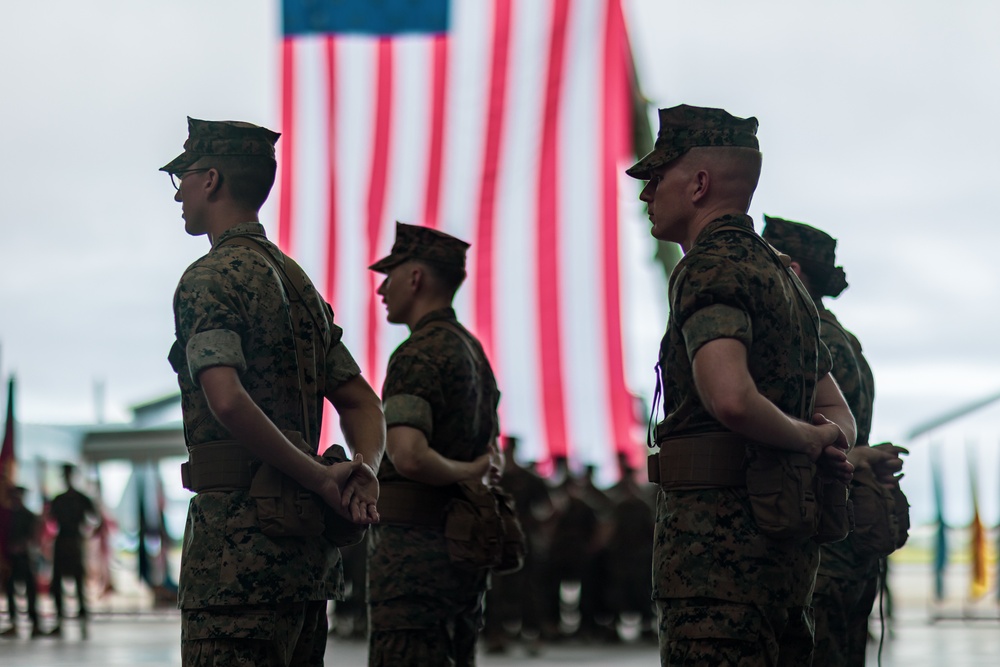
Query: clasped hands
x,y
351,489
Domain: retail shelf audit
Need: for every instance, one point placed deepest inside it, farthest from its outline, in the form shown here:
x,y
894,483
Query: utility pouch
x,y
836,517
514,542
473,528
284,508
877,524
782,491
901,511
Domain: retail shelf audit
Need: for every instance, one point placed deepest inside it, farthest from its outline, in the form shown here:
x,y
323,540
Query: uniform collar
x,y
443,314
744,221
242,229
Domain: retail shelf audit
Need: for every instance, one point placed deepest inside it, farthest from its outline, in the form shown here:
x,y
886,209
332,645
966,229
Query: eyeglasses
x,y
177,176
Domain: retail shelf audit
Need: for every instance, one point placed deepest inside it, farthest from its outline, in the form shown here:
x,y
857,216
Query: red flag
x,y
507,123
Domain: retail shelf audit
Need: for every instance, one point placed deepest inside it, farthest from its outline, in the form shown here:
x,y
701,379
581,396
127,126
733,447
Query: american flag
x,y
507,123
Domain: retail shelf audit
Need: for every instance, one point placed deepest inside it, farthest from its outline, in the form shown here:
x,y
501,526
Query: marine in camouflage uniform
x,y
440,400
847,581
247,598
741,355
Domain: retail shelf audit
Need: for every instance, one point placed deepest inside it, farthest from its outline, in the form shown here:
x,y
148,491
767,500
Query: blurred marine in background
x,y
847,581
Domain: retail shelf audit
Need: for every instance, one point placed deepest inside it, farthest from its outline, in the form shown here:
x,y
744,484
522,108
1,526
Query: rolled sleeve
x,y
409,410
716,321
218,347
341,366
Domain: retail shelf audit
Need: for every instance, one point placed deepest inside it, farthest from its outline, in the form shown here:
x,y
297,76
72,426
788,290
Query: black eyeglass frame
x,y
177,176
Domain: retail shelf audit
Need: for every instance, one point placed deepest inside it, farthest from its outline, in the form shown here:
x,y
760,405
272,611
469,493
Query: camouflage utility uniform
x,y
847,582
235,583
424,611
725,593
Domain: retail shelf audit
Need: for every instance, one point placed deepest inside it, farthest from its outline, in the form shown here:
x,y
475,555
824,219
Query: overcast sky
x,y
878,123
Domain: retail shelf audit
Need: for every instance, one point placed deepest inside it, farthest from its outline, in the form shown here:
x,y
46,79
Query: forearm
x,y
250,427
831,404
729,393
415,459
760,420
361,419
364,431
430,467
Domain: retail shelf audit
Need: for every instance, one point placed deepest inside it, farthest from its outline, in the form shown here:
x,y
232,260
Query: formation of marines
x,y
762,463
760,456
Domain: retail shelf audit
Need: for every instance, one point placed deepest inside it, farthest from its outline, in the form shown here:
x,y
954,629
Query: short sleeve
x,y
209,320
715,321
710,300
412,387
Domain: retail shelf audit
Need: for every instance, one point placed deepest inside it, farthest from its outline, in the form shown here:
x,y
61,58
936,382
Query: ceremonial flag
x,y
977,542
941,541
507,123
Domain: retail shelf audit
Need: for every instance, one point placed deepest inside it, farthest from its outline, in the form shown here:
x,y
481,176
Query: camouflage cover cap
x,y
684,127
423,243
805,244
222,137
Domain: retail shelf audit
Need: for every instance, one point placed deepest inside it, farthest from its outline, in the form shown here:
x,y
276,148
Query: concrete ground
x,y
153,641
124,635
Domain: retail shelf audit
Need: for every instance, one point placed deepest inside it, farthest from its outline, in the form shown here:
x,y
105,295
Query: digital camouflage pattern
x,y
433,383
424,243
847,583
208,138
707,544
230,309
290,633
704,632
685,127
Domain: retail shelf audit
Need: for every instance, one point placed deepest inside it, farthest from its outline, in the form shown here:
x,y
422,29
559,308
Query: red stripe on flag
x,y
331,210
486,217
287,160
547,227
438,87
614,144
376,190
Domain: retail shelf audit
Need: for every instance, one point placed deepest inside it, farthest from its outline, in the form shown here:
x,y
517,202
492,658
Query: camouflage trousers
x,y
281,635
451,644
842,607
703,632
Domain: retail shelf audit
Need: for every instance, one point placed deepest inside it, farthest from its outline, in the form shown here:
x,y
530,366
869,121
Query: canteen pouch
x,y
514,542
782,491
836,517
473,529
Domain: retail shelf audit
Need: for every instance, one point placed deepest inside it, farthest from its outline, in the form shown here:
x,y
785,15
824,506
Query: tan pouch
x,y
473,528
782,493
514,543
284,508
836,518
874,518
